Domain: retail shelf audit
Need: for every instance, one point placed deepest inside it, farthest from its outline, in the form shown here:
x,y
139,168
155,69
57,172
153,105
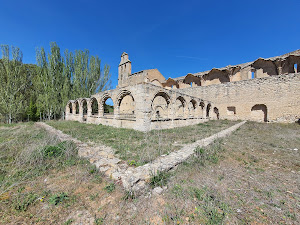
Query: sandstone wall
x,y
236,100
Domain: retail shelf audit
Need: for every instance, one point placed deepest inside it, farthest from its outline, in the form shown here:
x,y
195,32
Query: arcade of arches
x,y
266,90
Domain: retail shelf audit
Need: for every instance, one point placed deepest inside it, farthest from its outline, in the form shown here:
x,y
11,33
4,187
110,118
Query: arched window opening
x,y
192,107
216,111
84,107
202,105
160,106
202,109
296,67
231,110
77,108
70,108
179,107
94,106
259,112
208,109
108,107
127,105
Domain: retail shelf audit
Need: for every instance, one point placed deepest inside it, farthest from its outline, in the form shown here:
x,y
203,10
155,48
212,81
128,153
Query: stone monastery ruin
x,y
265,90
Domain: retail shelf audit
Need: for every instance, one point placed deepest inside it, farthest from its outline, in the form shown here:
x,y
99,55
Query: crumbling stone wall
x,y
235,100
146,101
142,107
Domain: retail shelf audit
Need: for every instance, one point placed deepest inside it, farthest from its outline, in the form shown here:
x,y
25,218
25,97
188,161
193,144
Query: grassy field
x,y
250,177
139,147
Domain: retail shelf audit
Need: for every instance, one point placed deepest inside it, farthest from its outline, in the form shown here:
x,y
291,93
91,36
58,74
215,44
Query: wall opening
x,y
207,110
231,110
77,108
84,107
108,107
192,107
179,107
160,106
70,107
296,67
191,84
259,112
127,105
216,111
202,105
95,108
252,75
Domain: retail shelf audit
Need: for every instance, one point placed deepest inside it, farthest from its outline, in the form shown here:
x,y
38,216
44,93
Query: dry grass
x,y
250,177
138,147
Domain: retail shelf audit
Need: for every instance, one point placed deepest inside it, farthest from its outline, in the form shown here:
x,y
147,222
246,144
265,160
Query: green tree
x,y
14,79
60,78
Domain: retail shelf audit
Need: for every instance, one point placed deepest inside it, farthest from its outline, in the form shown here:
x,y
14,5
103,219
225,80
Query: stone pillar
x,y
80,112
142,109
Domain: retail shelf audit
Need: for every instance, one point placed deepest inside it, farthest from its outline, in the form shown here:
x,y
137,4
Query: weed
x,y
160,179
92,169
110,187
99,221
177,190
58,198
93,197
291,215
129,195
23,201
97,179
69,221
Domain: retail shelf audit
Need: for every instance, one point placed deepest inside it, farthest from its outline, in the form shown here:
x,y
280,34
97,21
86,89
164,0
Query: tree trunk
x,y
9,118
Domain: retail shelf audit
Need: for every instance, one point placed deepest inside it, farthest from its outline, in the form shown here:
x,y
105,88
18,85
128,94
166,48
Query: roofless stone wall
x,y
273,99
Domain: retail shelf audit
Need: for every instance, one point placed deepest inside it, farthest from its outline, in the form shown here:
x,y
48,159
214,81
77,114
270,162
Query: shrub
x,y
58,198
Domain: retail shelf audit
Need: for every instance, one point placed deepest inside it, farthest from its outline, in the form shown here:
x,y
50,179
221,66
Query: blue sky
x,y
176,37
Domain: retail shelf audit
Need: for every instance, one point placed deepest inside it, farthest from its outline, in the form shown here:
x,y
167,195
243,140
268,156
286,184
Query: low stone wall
x,y
168,124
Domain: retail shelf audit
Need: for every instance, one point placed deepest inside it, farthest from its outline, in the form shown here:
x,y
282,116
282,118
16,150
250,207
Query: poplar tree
x,y
13,80
71,76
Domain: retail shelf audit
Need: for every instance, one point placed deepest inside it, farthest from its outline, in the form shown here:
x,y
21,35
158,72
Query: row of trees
x,y
42,90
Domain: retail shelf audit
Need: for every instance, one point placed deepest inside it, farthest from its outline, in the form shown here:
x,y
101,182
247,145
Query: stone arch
x,y
76,107
160,106
94,106
192,108
216,112
84,106
156,82
191,79
216,76
125,103
104,109
202,109
208,108
259,112
180,104
69,108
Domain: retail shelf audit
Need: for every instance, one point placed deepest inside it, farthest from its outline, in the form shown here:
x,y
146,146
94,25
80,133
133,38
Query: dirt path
x,y
134,178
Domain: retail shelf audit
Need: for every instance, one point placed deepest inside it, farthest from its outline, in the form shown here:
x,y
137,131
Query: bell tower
x,y
124,69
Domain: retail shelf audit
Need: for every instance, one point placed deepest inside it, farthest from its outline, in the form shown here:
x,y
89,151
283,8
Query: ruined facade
x,y
265,90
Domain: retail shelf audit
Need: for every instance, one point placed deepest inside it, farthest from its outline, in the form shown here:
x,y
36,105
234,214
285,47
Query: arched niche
x,y
160,106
